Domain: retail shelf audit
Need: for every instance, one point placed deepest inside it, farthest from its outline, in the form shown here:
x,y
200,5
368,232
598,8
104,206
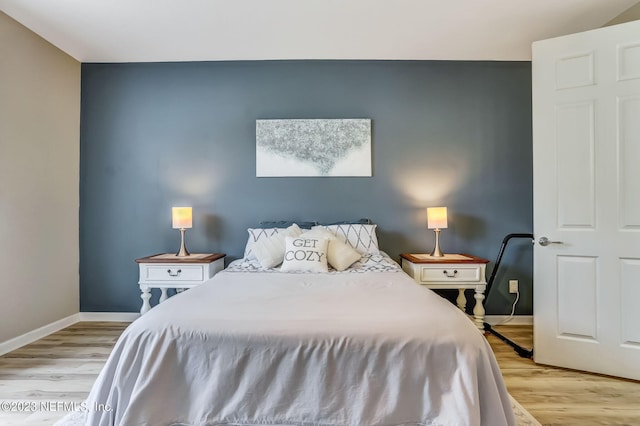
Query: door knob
x,y
544,241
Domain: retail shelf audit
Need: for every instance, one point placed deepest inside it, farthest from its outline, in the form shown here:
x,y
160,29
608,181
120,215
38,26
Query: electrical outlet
x,y
513,286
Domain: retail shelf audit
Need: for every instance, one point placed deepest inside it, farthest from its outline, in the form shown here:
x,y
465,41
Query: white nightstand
x,y
166,270
453,271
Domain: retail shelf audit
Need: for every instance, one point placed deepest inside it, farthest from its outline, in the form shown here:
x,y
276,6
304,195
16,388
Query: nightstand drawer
x,y
452,273
174,273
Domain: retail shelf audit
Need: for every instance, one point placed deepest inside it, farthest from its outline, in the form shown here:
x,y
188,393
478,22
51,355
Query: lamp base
x,y
183,252
436,250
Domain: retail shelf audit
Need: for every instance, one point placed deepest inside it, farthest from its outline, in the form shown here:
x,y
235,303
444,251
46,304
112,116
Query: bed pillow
x,y
305,255
286,224
364,220
339,255
270,250
361,237
257,234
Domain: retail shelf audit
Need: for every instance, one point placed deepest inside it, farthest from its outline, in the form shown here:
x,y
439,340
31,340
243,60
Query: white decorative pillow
x,y
305,255
270,250
339,255
258,234
361,237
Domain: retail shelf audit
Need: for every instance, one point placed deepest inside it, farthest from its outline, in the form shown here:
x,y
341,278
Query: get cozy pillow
x,y
339,255
305,255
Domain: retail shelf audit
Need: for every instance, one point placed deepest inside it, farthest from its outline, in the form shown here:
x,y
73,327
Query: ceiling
x,y
203,30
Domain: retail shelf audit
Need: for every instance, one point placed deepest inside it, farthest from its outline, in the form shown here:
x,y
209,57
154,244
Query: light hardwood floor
x,y
556,396
62,367
58,369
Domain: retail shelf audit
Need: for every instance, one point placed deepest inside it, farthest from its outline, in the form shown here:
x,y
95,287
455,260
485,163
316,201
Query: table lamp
x,y
436,220
182,220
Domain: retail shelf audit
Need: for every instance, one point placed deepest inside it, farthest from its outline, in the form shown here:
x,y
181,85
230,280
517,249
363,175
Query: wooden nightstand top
x,y
172,258
448,258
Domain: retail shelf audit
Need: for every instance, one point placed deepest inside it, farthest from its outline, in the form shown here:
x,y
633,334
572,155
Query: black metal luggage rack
x,y
523,352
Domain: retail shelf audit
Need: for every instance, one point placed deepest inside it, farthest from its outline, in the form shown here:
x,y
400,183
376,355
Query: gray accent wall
x,y
153,136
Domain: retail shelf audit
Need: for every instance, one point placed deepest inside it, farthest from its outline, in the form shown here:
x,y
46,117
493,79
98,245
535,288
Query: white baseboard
x,y
38,333
109,316
516,320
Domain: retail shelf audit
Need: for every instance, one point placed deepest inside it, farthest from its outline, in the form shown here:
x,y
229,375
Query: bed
x,y
364,345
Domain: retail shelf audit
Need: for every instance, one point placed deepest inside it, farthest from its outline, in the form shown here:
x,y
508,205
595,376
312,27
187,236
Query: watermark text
x,y
39,406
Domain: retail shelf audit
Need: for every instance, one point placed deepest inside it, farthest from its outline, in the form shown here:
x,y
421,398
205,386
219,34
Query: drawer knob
x,y
171,274
450,275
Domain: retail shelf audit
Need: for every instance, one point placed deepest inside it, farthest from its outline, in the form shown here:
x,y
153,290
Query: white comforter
x,y
302,349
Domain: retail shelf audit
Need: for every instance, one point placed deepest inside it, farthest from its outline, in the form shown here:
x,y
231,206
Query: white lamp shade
x,y
436,217
181,217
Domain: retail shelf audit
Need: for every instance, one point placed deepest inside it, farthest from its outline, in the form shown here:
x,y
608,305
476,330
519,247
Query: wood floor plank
x,y
63,366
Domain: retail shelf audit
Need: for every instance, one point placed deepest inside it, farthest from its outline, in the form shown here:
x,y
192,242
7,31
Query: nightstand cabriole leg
x,y
146,295
461,300
478,309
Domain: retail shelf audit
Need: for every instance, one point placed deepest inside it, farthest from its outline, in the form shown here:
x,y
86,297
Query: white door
x,y
586,154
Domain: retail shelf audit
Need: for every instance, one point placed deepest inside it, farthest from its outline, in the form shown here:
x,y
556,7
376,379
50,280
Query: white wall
x,y
39,179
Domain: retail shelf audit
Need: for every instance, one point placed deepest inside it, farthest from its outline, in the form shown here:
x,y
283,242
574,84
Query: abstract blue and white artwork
x,y
340,147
